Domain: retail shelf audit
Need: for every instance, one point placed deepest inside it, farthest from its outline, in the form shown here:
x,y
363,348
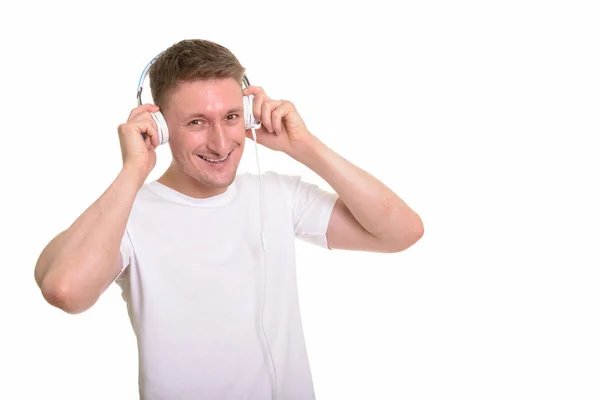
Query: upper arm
x,y
322,218
345,233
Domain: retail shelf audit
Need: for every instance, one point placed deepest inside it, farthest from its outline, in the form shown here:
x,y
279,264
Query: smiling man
x,y
215,314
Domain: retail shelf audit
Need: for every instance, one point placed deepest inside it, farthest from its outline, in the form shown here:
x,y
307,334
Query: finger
x,y
257,103
255,90
148,118
149,143
259,97
141,109
151,133
143,127
148,107
143,116
284,109
267,113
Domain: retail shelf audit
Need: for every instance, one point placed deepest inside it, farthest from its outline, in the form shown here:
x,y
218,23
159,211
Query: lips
x,y
215,160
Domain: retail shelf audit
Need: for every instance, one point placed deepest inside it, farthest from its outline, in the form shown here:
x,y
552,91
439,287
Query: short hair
x,y
188,61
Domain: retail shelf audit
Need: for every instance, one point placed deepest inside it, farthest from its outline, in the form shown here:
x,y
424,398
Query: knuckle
x,y
142,117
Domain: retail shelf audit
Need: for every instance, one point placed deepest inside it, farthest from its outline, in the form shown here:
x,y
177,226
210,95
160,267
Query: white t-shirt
x,y
195,284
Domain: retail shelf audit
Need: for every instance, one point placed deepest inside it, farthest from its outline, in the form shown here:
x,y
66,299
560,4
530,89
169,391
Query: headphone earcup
x,y
163,129
249,120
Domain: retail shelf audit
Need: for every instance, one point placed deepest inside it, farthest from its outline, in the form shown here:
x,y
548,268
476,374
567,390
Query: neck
x,y
185,184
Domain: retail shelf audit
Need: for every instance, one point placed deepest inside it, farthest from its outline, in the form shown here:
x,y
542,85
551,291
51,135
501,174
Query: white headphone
x,y
163,130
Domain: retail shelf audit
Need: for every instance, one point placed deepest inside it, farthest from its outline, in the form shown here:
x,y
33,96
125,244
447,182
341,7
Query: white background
x,y
479,114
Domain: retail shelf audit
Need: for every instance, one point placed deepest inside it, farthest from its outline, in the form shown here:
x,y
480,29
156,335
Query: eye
x,y
195,122
231,117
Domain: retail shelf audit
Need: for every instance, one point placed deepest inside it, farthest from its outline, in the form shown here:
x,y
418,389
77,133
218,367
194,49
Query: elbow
x,y
62,294
418,229
408,236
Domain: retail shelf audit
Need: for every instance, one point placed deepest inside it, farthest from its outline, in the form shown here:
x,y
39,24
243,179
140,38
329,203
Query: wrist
x,y
133,176
305,149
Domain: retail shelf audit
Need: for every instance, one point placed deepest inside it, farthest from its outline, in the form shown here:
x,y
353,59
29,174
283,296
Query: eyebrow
x,y
230,111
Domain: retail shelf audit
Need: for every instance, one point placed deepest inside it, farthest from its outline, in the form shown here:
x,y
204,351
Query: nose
x,y
218,141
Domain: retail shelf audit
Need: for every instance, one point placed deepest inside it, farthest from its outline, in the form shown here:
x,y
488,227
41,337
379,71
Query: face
x,y
207,133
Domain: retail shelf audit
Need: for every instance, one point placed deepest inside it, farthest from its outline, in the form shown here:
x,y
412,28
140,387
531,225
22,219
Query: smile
x,y
216,161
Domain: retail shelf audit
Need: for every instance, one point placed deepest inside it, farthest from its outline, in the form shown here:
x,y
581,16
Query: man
x,y
215,316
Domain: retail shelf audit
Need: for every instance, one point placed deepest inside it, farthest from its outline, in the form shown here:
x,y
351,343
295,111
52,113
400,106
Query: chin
x,y
214,176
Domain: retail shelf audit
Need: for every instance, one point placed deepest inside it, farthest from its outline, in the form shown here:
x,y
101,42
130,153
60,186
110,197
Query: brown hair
x,y
191,60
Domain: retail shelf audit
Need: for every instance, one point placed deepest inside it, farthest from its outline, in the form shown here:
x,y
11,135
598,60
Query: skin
x,y
205,119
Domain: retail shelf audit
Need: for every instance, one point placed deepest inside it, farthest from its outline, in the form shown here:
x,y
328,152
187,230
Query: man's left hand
x,y
282,127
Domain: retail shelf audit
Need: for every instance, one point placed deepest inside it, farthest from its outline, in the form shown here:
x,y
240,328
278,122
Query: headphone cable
x,y
264,251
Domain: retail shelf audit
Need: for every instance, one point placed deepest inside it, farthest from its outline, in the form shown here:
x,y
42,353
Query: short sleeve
x,y
126,250
311,209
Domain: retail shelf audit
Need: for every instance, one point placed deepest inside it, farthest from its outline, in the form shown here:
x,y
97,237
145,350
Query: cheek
x,y
237,133
184,139
181,145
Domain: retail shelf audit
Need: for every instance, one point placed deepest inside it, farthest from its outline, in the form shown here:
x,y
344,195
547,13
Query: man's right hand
x,y
138,153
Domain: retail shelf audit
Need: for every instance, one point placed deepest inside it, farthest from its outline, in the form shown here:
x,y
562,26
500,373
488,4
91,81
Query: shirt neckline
x,y
171,194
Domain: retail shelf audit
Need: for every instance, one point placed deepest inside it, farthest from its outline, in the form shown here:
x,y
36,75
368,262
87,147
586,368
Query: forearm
x,y
375,206
77,266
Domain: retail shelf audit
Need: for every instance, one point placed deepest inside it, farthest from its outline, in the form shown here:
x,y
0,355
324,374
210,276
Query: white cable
x,y
264,250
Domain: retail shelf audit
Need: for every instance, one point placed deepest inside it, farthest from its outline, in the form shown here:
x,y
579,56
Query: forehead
x,y
203,89
206,95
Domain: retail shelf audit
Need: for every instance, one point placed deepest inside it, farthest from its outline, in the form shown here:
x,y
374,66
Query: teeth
x,y
214,161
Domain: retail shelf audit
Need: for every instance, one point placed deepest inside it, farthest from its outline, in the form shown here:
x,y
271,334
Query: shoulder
x,y
275,186
294,189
